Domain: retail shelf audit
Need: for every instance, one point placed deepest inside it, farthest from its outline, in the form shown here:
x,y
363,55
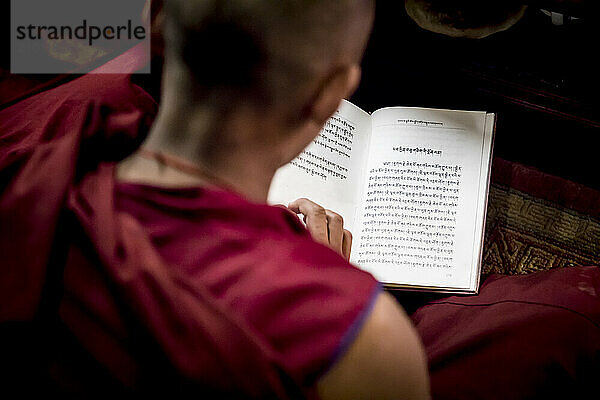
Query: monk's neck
x,y
238,164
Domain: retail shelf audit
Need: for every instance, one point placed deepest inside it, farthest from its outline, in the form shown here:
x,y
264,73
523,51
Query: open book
x,y
411,185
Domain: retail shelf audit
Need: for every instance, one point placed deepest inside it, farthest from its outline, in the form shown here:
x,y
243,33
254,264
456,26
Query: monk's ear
x,y
339,84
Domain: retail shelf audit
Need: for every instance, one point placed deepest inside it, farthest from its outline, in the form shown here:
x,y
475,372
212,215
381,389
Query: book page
x,y
424,197
329,170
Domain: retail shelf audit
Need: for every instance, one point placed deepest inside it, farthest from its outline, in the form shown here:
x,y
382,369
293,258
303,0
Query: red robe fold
x,y
43,141
46,139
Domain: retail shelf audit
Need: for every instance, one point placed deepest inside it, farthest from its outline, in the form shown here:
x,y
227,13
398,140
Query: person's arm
x,y
386,360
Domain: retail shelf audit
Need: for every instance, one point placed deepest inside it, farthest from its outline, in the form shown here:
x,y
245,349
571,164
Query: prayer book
x,y
411,185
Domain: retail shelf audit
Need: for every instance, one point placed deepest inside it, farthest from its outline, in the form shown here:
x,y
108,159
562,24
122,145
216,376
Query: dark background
x,y
540,79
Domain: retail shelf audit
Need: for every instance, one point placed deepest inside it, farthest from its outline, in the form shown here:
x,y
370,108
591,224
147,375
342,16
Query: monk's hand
x,y
324,225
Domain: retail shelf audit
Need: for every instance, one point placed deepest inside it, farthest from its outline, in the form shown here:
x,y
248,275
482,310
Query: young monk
x,y
170,273
246,88
149,263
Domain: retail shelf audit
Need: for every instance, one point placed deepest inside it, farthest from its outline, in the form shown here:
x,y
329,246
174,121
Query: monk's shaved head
x,y
260,49
248,84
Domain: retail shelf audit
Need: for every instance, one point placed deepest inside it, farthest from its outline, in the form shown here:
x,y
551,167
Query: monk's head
x,y
465,18
276,69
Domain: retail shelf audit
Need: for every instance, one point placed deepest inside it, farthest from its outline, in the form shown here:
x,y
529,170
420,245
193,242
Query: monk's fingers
x,y
325,226
335,224
347,244
315,218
